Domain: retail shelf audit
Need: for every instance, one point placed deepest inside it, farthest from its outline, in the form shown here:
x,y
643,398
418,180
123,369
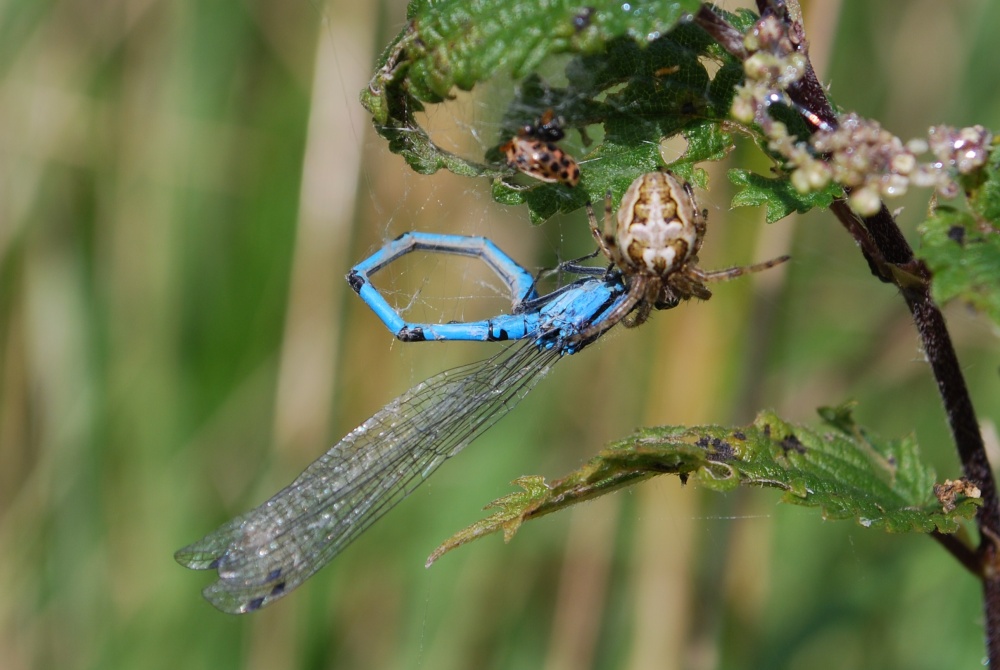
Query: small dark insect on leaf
x,y
548,128
957,234
792,443
721,450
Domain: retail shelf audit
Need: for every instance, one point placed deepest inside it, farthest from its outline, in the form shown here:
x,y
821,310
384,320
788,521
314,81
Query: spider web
x,y
640,115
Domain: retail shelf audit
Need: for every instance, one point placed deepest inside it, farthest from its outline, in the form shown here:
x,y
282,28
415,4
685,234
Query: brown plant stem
x,y
891,259
965,554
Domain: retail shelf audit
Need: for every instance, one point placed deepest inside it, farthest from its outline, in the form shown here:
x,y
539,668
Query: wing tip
x,y
227,600
194,558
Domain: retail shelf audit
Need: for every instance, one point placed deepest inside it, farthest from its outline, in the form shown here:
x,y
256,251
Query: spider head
x,y
667,299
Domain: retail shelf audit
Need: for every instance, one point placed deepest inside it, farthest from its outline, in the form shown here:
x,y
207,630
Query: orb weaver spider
x,y
654,243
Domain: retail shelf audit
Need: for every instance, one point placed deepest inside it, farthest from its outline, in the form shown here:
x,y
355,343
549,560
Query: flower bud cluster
x,y
773,66
965,149
863,156
858,154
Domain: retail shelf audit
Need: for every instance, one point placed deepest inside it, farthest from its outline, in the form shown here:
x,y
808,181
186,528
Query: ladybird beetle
x,y
533,151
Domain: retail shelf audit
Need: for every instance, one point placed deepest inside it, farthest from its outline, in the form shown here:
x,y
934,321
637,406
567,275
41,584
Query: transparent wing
x,y
267,552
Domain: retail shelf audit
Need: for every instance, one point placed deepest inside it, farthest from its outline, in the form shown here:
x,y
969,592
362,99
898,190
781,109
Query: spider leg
x,y
686,285
731,273
700,220
607,245
636,295
573,266
659,295
639,316
607,239
577,268
609,224
700,228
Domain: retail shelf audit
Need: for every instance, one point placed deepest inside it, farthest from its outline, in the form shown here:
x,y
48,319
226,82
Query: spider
x,y
655,246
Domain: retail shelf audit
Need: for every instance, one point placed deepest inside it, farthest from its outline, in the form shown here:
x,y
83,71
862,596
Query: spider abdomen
x,y
658,246
657,223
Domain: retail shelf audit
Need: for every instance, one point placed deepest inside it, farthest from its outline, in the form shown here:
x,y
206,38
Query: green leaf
x,y
778,194
839,468
458,44
963,255
707,141
507,517
633,78
983,187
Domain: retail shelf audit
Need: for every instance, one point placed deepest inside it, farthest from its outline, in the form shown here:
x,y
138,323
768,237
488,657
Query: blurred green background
x,y
184,186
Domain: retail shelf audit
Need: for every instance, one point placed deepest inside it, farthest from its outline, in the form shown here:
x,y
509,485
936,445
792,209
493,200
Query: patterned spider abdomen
x,y
659,224
542,160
